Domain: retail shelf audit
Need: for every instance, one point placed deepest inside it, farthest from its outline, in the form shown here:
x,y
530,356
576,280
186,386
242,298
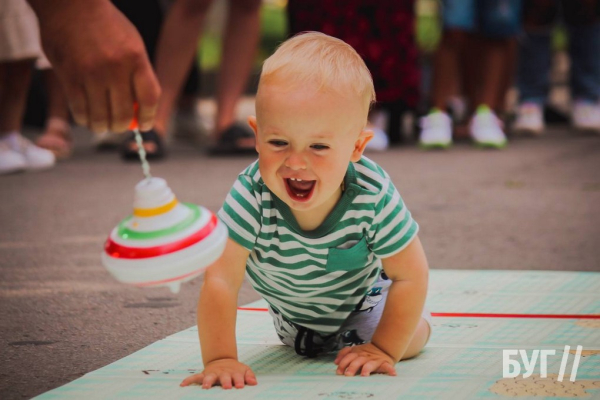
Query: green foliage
x,y
428,33
560,39
274,28
428,30
273,31
209,52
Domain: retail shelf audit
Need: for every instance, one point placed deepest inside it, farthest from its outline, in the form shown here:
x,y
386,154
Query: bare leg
x,y
447,67
471,72
57,133
418,341
57,101
509,75
239,49
15,78
495,66
175,52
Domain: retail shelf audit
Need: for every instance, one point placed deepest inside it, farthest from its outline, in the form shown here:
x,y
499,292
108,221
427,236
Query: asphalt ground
x,y
534,205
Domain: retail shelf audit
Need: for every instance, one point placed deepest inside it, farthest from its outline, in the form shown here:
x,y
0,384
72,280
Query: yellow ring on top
x,y
152,212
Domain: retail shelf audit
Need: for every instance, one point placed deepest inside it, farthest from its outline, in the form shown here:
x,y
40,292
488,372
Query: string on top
x,y
138,139
142,153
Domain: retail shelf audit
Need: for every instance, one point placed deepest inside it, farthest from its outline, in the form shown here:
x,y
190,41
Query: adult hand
x,y
365,358
101,60
224,372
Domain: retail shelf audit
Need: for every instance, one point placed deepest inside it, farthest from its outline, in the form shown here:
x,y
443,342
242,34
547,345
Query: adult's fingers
x,y
77,102
121,105
196,378
147,92
97,95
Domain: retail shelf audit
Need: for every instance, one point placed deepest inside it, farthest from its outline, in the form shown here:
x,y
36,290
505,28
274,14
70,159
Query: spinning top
x,y
164,242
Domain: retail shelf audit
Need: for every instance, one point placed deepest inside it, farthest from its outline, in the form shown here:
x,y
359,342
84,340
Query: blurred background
x,y
400,120
446,72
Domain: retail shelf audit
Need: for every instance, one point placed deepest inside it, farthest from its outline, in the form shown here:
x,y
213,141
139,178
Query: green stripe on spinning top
x,y
125,233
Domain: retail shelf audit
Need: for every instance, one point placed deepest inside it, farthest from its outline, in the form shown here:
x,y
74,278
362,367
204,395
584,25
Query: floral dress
x,y
381,31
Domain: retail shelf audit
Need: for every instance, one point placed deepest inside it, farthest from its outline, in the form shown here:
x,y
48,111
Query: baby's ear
x,y
254,126
252,123
359,146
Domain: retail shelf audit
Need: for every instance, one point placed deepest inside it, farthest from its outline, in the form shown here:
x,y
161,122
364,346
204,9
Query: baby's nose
x,y
295,161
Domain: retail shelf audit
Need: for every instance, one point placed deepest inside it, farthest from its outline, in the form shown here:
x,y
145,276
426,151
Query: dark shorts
x,y
493,18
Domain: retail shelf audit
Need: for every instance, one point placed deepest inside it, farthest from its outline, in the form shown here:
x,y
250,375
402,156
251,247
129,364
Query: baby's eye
x,y
278,143
320,146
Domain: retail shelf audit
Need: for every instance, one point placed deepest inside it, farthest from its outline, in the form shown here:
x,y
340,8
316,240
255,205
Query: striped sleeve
x,y
393,227
241,212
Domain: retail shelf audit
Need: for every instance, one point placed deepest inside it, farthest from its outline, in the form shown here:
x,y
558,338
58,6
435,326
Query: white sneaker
x,y
10,160
586,115
35,157
380,141
436,130
486,129
530,119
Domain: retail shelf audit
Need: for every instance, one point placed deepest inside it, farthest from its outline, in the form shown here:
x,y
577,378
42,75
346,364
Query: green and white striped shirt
x,y
316,278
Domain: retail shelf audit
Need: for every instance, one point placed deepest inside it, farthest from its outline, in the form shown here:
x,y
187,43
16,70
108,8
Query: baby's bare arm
x,y
409,273
393,339
217,309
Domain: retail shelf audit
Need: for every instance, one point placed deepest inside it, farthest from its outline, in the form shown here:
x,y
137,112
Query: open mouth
x,y
299,189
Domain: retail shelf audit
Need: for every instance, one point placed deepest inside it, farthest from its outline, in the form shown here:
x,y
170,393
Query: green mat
x,y
463,358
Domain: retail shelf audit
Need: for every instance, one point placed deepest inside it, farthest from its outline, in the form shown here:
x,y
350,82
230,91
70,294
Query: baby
x,y
320,230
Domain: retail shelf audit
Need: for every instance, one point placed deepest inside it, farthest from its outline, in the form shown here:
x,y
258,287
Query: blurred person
x,y
19,48
478,37
101,62
582,22
56,136
174,55
383,33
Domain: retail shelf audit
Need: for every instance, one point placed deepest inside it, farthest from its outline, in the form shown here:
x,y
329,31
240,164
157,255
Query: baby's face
x,y
305,140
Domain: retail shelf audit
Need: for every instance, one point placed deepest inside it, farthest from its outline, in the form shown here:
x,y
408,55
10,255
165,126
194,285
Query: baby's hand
x,y
366,358
223,372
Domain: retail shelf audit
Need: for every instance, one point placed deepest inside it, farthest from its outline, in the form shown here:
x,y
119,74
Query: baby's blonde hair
x,y
321,60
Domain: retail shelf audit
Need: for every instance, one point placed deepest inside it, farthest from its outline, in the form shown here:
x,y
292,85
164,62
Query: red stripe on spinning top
x,y
118,251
